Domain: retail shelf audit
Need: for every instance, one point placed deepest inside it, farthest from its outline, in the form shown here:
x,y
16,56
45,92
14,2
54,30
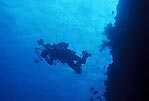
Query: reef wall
x,y
127,75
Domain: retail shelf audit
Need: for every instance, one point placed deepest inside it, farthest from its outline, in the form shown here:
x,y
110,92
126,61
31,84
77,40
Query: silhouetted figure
x,y
61,52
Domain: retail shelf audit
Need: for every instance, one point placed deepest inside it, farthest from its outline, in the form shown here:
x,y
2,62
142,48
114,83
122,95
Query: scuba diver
x,y
61,53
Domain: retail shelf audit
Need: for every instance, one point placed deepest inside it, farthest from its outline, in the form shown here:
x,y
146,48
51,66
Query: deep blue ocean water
x,y
79,23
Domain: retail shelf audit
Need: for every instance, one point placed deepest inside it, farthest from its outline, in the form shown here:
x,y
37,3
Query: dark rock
x,y
36,61
95,92
91,99
98,97
127,75
91,89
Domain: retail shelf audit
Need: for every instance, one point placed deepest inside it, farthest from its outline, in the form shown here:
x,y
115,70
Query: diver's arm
x,y
37,51
49,61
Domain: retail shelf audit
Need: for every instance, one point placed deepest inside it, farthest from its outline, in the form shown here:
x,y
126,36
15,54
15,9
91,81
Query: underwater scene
x,y
55,50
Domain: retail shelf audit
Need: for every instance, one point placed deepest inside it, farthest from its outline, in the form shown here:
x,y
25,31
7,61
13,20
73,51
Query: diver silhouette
x,y
61,53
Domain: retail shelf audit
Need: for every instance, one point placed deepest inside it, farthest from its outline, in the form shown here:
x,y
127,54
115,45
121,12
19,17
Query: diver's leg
x,y
85,55
83,61
76,58
76,67
71,64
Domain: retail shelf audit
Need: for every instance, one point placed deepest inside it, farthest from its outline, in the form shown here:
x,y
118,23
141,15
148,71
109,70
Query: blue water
x,y
78,22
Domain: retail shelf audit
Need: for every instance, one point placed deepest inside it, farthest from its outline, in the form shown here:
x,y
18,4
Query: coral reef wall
x,y
127,75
